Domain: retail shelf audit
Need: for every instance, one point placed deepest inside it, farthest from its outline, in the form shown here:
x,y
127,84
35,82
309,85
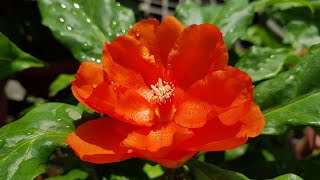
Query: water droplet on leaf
x,y
88,20
63,6
61,19
76,5
69,28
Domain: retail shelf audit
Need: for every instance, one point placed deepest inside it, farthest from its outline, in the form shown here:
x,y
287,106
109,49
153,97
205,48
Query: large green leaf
x,y
206,171
263,62
13,59
260,5
302,79
83,26
26,144
233,18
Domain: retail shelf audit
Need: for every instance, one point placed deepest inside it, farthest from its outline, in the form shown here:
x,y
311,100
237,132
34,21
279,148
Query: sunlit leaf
x,y
13,59
263,62
235,153
153,171
288,177
206,171
75,174
26,144
60,83
83,26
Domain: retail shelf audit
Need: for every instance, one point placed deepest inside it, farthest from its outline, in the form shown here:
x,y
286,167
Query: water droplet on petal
x,y
76,5
63,6
88,20
69,28
61,19
94,85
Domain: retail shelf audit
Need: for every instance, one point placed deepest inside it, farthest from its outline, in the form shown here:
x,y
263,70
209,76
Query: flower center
x,y
163,93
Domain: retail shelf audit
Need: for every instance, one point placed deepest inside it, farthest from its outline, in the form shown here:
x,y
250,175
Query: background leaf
x,y
26,144
60,83
233,17
74,174
13,59
288,177
263,62
83,26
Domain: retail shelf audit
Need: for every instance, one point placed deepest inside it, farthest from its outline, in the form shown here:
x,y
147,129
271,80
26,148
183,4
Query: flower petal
x,y
223,87
253,123
159,136
199,48
121,103
167,34
190,112
132,54
89,75
98,141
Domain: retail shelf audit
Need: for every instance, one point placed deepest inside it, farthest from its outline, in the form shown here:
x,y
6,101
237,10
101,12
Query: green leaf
x,y
260,36
301,35
263,62
206,171
281,4
83,26
26,144
13,59
60,83
153,171
233,18
235,153
302,112
288,177
74,174
302,79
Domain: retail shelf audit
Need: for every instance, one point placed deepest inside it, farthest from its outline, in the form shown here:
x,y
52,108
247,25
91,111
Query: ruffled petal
x,y
99,141
223,87
160,136
89,75
253,123
167,34
199,48
121,103
190,112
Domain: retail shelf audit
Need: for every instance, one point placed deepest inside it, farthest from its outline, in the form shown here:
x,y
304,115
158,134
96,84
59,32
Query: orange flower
x,y
169,94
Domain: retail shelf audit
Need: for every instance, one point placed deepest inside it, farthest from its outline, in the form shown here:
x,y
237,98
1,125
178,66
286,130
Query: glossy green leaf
x,y
282,4
83,26
74,174
263,62
233,18
260,36
235,153
303,112
301,35
302,79
60,83
26,144
13,59
206,171
288,177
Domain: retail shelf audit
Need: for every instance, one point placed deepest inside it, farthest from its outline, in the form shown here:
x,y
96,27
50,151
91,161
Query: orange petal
x,y
121,103
167,34
98,141
159,136
213,131
190,112
132,54
253,123
89,75
223,87
174,159
235,114
199,48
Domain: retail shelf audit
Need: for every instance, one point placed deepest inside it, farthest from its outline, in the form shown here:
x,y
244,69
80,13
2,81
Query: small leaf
x,y
60,83
83,26
74,174
206,171
26,144
153,171
263,62
288,177
282,4
301,35
233,18
13,59
235,153
302,79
